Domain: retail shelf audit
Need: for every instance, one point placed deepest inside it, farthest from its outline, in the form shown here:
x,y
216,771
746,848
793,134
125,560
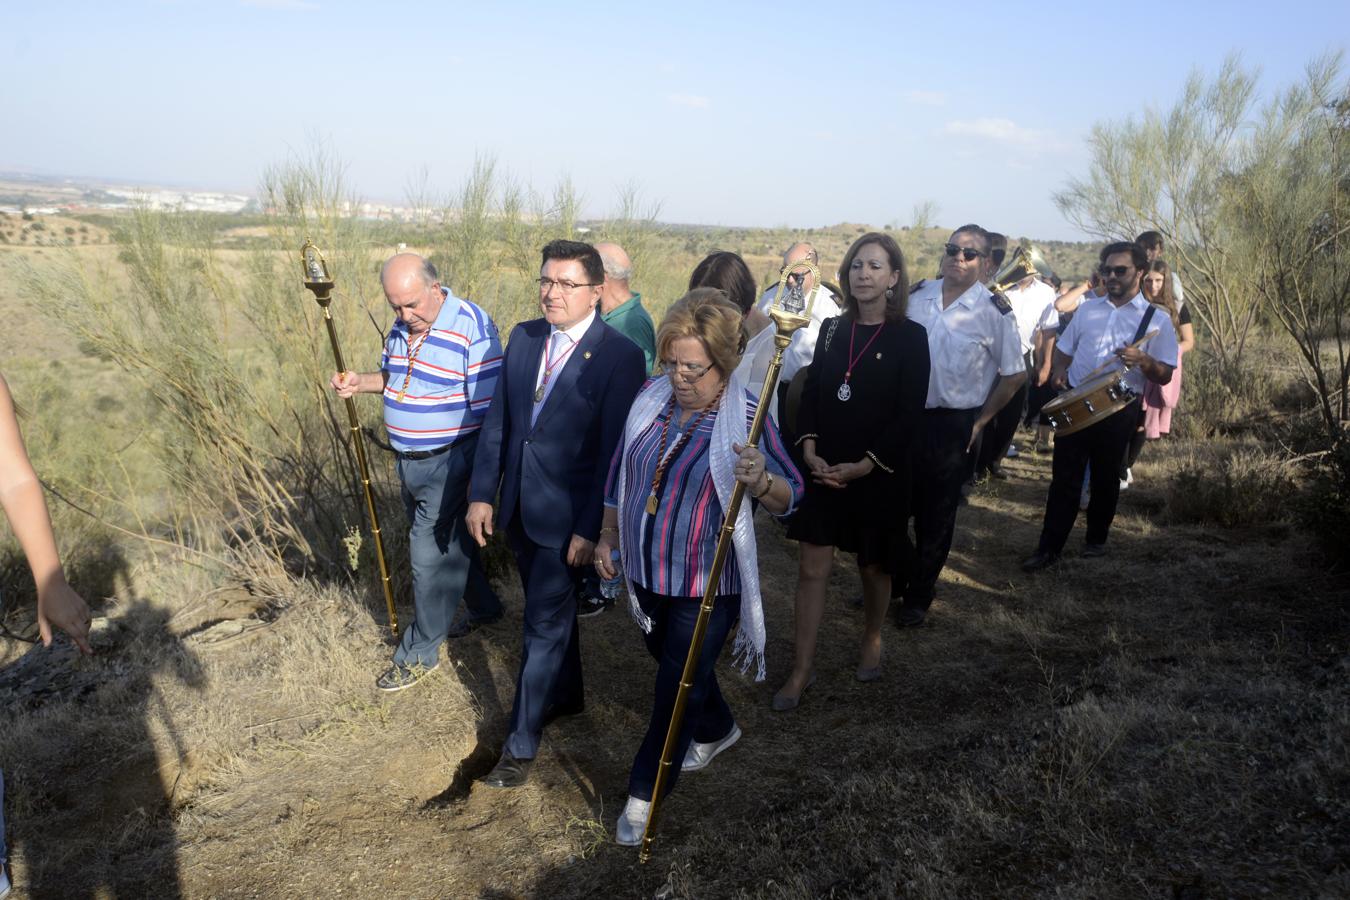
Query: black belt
x,y
428,454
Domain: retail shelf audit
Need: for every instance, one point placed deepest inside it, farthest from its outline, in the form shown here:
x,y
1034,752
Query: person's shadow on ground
x,y
90,792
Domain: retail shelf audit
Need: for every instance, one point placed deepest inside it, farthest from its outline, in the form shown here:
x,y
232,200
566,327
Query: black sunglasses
x,y
1118,271
967,253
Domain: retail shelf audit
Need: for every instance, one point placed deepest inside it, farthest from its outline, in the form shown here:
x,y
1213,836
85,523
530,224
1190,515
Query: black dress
x,y
881,417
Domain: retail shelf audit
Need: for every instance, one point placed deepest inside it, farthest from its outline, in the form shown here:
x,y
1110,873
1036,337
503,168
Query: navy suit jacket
x,y
552,474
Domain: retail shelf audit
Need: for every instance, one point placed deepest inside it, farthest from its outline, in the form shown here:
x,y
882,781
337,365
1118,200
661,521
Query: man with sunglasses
x,y
975,368
1103,331
567,381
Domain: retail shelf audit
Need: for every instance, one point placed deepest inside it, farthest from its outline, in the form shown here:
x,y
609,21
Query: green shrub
x,y
1248,486
1325,511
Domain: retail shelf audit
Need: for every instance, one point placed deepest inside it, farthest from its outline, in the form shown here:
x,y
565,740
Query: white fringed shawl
x,y
728,427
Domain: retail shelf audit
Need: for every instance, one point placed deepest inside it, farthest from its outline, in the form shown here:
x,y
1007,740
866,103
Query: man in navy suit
x,y
565,386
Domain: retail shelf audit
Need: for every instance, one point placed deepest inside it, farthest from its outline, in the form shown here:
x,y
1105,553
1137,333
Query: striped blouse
x,y
671,552
453,377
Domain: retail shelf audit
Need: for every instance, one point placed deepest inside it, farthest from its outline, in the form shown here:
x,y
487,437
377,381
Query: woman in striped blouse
x,y
671,478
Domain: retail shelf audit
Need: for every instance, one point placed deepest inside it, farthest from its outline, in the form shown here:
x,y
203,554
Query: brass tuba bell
x,y
1025,260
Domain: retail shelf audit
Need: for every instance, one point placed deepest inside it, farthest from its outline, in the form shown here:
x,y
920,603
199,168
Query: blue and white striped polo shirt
x,y
453,377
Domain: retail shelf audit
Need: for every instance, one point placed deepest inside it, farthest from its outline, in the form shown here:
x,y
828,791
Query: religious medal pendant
x,y
539,393
651,504
844,392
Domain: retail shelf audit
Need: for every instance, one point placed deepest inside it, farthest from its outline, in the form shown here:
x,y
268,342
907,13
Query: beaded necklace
x,y
652,501
412,358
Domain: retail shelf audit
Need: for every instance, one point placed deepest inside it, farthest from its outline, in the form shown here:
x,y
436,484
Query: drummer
x,y
1107,332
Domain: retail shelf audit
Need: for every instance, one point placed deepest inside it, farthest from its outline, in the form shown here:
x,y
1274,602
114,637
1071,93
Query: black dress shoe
x,y
1041,559
1092,551
998,474
910,617
508,773
555,711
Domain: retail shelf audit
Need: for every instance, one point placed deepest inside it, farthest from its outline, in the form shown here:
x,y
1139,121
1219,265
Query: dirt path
x,y
1085,732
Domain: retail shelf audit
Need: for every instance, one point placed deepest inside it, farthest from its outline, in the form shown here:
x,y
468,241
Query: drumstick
x,y
1113,360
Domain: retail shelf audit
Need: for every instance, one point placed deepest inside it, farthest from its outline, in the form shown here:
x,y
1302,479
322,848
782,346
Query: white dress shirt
x,y
1099,328
558,343
970,344
1034,309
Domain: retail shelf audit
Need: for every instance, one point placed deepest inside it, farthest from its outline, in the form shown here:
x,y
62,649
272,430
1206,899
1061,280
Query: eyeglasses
x,y
690,372
1118,271
546,285
967,253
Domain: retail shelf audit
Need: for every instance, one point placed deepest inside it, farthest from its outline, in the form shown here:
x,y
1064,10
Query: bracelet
x,y
804,437
768,487
879,464
609,529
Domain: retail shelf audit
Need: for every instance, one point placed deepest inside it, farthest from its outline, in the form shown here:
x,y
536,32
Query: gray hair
x,y
616,271
429,272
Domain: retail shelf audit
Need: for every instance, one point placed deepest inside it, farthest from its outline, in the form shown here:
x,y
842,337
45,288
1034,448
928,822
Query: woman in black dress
x,y
861,405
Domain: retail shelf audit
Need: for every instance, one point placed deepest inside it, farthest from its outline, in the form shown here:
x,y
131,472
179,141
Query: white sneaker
x,y
632,822
700,755
1127,480
1012,451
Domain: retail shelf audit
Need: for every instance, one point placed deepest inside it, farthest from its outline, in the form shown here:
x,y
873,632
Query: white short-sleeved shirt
x,y
1034,309
1099,328
970,344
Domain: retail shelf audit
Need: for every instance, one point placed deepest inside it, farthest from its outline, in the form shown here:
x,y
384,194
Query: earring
x,y
890,292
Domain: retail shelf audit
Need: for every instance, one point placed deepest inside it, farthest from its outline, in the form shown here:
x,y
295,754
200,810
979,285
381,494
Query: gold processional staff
x,y
320,282
789,314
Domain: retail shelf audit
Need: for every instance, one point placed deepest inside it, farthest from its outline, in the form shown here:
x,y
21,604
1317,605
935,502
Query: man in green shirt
x,y
620,308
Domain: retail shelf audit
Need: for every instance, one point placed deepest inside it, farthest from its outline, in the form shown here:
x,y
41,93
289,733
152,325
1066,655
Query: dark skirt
x,y
868,517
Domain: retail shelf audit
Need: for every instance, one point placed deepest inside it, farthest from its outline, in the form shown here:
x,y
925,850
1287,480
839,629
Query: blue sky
x,y
726,113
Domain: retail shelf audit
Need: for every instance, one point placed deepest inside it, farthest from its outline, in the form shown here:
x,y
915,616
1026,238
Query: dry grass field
x,y
1169,721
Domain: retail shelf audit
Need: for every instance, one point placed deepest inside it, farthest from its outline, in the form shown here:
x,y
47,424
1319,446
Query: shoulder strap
x,y
1143,323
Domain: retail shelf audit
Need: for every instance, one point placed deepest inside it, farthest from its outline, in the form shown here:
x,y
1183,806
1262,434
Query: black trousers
x,y
550,658
997,436
1037,398
941,466
1103,445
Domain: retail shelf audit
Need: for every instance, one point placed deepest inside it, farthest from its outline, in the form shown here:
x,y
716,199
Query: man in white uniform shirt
x,y
1103,329
1033,308
975,368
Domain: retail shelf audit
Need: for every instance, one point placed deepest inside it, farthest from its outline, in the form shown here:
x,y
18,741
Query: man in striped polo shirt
x,y
438,373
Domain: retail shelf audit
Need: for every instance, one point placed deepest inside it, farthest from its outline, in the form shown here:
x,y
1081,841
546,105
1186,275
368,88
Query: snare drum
x,y
1089,403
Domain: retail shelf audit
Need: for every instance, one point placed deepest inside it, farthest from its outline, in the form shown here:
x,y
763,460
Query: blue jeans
x,y
435,494
707,717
